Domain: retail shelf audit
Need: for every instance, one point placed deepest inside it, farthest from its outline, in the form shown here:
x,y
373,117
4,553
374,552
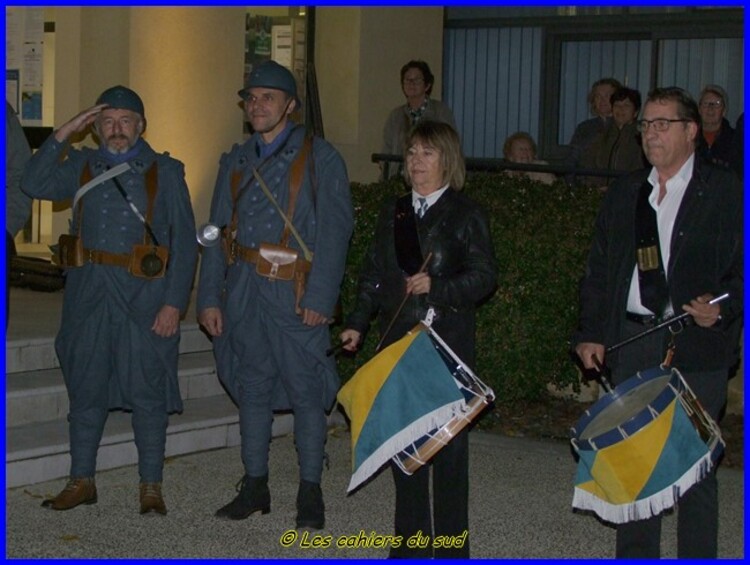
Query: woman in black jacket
x,y
435,222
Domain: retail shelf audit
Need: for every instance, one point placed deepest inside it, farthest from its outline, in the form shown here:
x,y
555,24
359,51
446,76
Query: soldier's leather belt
x,y
106,258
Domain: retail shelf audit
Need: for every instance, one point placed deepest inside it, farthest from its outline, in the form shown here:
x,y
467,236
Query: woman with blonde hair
x,y
437,227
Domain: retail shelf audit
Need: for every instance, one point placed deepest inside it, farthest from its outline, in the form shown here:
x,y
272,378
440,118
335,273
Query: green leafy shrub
x,y
542,235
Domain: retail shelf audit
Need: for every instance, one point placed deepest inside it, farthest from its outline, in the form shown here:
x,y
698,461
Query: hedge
x,y
542,235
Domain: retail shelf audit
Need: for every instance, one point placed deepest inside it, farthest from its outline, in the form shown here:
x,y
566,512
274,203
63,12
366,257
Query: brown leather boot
x,y
80,490
151,499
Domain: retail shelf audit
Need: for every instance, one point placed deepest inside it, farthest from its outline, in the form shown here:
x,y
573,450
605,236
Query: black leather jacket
x,y
462,268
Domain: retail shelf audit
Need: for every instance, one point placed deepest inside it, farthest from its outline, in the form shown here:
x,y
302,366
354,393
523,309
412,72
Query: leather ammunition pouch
x,y
69,251
276,262
148,261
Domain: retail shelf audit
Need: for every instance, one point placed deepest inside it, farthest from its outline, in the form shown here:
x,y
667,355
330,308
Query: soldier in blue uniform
x,y
130,262
270,334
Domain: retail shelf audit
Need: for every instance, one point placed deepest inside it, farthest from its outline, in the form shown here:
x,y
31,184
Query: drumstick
x,y
603,380
665,323
401,306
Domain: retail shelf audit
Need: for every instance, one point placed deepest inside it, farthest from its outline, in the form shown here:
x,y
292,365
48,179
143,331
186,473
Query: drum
x,y
641,446
407,402
477,396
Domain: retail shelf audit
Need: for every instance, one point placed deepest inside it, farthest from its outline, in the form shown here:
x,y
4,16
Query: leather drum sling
x,y
651,271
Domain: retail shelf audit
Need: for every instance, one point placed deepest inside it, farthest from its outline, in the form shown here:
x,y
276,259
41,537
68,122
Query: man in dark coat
x,y
119,335
697,211
270,338
716,142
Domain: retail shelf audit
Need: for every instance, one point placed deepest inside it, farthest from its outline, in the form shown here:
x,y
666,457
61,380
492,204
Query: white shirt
x,y
431,198
666,213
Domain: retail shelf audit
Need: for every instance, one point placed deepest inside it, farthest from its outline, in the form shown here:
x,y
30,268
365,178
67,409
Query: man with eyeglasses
x,y
686,217
717,139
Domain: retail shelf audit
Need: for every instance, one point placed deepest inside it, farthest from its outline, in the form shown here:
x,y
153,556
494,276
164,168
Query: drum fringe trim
x,y
647,507
403,439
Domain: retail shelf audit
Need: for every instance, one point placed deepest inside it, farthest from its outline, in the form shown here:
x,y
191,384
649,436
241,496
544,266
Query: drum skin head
x,y
627,408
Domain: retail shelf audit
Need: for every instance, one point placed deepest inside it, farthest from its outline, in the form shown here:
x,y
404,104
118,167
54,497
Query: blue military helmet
x,y
122,98
270,74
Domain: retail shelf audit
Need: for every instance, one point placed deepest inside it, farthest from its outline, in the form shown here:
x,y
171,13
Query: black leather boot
x,y
253,496
310,507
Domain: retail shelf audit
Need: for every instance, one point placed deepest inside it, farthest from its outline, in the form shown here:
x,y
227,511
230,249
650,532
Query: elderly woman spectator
x,y
416,84
620,149
716,144
588,134
520,148
437,222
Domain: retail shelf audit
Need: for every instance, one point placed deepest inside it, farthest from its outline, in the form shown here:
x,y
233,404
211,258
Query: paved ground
x,y
520,508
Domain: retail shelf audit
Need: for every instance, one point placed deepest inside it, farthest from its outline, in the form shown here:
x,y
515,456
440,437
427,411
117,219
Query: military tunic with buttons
x,y
105,331
324,225
265,351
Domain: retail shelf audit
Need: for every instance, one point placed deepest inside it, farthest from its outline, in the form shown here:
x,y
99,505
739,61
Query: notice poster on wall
x,y
24,54
12,88
282,45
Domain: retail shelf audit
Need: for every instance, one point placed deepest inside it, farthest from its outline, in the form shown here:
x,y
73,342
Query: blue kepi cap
x,y
269,74
122,98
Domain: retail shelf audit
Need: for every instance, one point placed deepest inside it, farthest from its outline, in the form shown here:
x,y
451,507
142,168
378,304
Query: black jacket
x,y
706,256
462,268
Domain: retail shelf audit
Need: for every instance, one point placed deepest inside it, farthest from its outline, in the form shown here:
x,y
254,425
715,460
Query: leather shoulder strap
x,y
651,269
234,187
86,176
152,186
296,176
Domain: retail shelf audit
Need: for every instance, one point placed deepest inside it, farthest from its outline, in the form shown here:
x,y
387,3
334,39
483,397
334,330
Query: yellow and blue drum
x,y
641,446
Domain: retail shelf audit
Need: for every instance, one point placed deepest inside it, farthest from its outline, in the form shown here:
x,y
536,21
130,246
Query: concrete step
x,y
41,451
38,353
40,396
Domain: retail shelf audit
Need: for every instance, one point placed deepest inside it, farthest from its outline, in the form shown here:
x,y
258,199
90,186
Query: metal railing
x,y
499,165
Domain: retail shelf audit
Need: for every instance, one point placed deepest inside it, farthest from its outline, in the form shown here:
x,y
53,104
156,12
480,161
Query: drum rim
x,y
636,422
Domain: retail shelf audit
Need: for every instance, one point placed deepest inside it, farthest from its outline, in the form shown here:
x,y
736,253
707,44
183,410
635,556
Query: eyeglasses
x,y
712,104
413,81
659,124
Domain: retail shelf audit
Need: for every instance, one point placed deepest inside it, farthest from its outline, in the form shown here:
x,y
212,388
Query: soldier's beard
x,y
118,149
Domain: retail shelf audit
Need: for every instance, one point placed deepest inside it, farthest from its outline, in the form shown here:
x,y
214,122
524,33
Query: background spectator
x,y
520,148
416,84
589,132
716,142
620,149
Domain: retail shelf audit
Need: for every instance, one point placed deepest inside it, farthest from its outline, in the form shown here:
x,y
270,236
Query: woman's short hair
x,y
424,68
508,145
445,139
625,93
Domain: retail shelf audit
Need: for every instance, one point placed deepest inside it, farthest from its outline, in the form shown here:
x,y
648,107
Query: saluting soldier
x,y
130,260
